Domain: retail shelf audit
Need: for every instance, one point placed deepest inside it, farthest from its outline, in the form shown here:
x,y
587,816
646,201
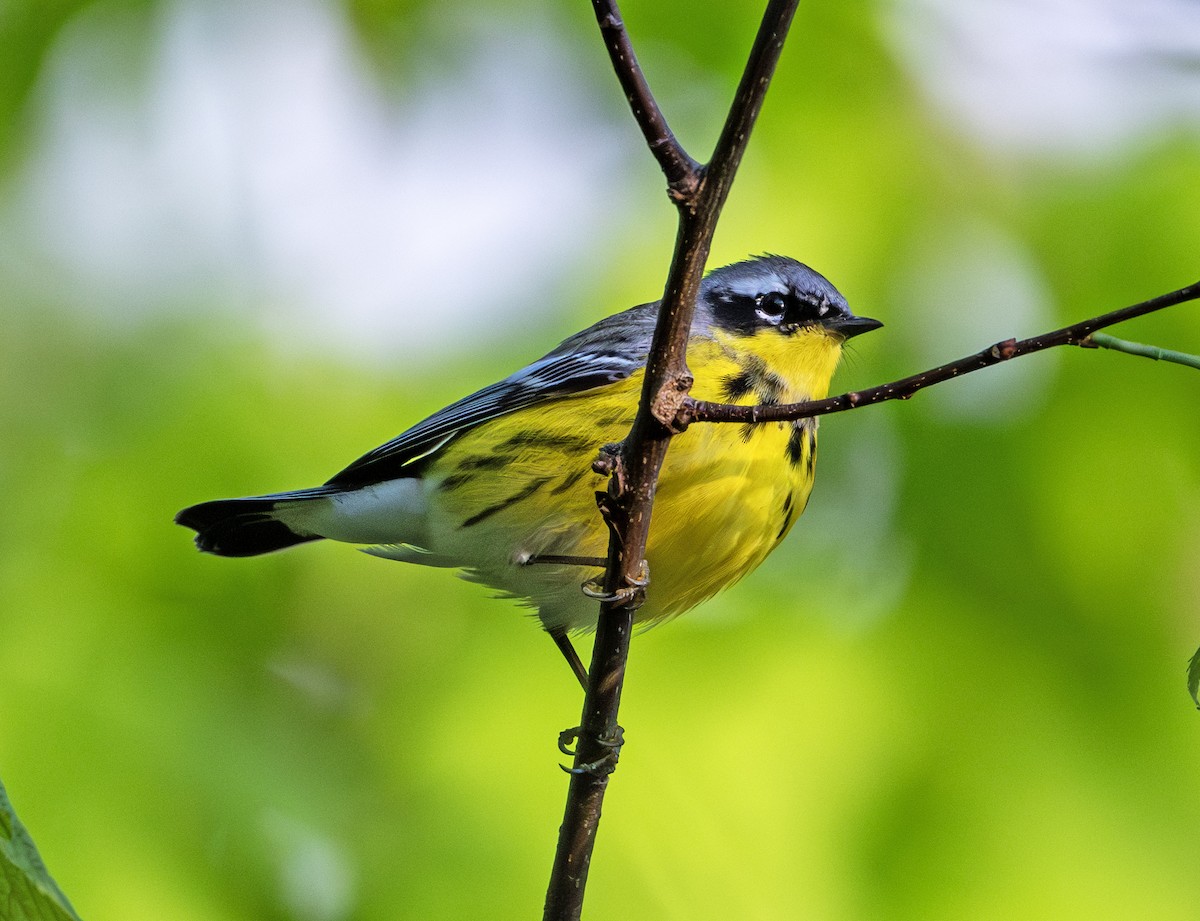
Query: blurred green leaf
x,y
1193,680
26,890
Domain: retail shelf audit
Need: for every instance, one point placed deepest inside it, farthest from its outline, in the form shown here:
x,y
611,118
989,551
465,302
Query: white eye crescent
x,y
770,307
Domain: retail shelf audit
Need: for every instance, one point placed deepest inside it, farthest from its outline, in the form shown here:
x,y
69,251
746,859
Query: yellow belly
x,y
522,487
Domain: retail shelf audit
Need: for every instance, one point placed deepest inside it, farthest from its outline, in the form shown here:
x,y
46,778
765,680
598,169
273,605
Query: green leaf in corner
x,y
27,893
1194,678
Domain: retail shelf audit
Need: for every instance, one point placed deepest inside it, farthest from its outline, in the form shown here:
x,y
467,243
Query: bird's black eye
x,y
770,307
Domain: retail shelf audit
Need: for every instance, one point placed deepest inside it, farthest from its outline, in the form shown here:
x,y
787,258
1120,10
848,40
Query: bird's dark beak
x,y
849,325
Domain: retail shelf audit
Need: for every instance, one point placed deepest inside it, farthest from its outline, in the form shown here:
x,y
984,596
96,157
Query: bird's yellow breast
x,y
522,485
729,493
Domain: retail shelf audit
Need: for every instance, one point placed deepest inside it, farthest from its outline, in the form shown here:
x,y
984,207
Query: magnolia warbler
x,y
500,484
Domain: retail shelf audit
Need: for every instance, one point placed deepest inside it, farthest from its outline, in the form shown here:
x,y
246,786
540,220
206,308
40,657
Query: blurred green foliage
x,y
956,692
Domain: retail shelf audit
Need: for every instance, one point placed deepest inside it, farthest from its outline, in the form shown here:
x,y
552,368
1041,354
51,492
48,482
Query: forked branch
x,y
699,192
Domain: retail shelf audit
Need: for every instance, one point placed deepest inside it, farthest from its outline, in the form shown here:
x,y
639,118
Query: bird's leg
x,y
561,560
607,762
563,642
558,634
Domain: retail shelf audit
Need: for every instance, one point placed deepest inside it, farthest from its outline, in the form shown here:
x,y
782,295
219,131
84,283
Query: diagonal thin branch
x,y
1077,334
682,172
634,471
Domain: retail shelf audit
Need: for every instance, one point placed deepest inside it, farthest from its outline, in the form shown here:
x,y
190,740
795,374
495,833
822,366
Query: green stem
x,y
1105,341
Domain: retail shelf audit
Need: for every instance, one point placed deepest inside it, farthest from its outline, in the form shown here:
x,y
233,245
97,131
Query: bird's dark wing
x,y
604,353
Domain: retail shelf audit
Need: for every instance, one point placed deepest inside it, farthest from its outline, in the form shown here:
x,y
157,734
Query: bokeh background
x,y
243,241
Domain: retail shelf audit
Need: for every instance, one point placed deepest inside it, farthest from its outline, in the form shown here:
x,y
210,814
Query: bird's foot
x,y
634,591
600,767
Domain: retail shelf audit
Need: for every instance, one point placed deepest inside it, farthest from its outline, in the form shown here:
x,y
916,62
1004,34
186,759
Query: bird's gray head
x,y
776,293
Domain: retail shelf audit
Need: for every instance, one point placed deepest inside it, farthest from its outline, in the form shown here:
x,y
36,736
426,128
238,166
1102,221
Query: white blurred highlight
x,y
252,160
962,287
316,879
1079,78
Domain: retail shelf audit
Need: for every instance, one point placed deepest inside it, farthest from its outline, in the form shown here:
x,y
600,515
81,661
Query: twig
x,y
682,172
1079,334
1153,352
699,194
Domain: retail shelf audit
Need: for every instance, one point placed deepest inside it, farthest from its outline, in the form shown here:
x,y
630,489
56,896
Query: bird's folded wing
x,y
605,353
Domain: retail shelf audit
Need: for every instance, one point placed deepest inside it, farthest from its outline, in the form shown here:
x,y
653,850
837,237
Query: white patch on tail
x,y
392,512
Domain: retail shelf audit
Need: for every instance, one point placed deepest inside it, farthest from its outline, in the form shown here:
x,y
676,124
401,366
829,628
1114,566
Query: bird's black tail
x,y
246,527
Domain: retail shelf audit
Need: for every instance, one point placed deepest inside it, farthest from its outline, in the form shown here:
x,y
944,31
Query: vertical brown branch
x,y
699,193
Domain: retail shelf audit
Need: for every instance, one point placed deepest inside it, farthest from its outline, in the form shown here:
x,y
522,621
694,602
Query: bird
x,y
500,485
